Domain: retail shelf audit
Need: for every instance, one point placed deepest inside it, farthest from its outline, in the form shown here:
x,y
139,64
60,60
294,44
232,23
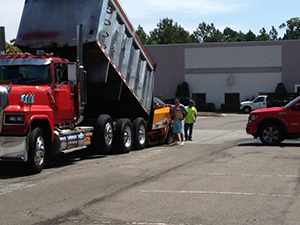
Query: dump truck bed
x,y
120,71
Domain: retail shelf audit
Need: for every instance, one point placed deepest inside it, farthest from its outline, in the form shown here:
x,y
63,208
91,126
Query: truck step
x,y
74,149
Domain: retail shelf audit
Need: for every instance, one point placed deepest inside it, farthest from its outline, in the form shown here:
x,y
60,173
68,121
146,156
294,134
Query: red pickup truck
x,y
273,125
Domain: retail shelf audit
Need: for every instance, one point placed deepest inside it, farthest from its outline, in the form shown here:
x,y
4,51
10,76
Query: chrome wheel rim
x,y
127,136
270,134
142,135
39,151
108,134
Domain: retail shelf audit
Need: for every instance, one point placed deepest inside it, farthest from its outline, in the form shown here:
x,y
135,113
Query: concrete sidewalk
x,y
216,114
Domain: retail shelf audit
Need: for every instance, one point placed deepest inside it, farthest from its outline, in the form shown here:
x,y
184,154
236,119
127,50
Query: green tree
x,y
292,29
250,36
273,34
185,89
179,91
230,35
263,35
11,48
142,34
207,33
280,89
168,32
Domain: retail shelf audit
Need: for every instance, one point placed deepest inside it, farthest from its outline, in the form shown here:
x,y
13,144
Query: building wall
x,y
247,70
233,57
215,69
291,64
170,68
248,85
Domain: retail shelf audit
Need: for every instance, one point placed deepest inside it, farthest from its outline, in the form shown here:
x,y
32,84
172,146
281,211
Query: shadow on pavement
x,y
250,144
18,169
282,145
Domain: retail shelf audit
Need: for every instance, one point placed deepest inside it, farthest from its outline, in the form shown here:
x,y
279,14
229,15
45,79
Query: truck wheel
x,y
140,133
103,134
271,134
37,150
123,133
247,109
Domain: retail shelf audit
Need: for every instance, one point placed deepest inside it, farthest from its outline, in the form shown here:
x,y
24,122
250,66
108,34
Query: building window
x,y
297,88
232,98
199,98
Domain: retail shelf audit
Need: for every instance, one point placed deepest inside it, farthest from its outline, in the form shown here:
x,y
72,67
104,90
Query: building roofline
x,y
227,44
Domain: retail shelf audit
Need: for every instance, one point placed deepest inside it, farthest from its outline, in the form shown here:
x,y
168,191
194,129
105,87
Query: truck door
x,y
293,119
259,103
63,94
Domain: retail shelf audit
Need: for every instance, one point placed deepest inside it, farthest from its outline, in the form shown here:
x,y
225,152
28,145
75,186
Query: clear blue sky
x,y
240,15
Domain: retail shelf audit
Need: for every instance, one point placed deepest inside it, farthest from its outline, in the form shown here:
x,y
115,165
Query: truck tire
x,y
103,134
37,151
124,136
247,109
271,134
140,134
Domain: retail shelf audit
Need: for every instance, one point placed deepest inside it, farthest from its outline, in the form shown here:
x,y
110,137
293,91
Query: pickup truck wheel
x,y
271,134
37,150
247,109
140,134
103,134
123,133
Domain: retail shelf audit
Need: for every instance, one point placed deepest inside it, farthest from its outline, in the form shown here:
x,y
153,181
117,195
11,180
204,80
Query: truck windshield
x,y
31,75
292,102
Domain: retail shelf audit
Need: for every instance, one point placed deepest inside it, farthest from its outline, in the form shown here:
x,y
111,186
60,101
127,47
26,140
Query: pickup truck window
x,y
292,102
260,99
25,75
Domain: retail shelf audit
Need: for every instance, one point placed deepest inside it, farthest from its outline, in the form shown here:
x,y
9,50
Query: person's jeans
x,y
188,127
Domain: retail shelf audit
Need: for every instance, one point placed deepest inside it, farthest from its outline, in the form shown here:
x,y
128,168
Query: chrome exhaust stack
x,y
81,75
2,42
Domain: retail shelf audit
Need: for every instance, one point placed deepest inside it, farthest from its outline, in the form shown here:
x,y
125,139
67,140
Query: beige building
x,y
227,72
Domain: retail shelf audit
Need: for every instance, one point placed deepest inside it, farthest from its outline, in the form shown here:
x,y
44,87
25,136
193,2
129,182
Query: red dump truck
x,y
84,78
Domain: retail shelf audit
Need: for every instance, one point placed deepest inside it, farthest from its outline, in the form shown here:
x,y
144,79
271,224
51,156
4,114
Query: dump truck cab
x,y
35,91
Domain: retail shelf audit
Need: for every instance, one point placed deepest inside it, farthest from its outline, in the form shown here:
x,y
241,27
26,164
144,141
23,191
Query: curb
x,y
212,114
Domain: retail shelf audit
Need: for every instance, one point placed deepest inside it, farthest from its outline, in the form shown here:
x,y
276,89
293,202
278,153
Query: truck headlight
x,y
14,119
252,117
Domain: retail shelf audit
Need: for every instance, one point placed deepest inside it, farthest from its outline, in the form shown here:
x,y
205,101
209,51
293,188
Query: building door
x,y
232,98
199,98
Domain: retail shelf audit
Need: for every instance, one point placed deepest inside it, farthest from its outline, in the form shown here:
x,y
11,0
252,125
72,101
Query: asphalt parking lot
x,y
223,177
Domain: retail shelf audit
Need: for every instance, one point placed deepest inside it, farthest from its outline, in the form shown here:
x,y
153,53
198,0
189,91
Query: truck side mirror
x,y
296,106
72,74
